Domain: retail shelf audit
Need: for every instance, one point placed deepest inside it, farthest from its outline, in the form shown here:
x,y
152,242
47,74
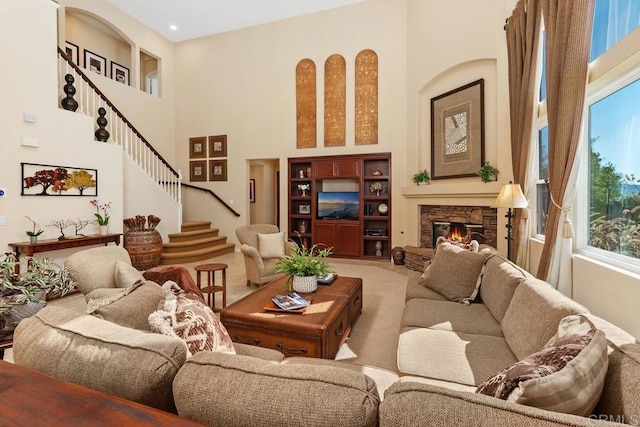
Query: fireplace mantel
x,y
481,193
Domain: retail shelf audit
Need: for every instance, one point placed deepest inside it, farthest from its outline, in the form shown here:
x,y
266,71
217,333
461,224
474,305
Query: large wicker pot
x,y
144,248
305,284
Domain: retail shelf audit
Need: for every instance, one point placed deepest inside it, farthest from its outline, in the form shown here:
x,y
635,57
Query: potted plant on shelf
x,y
22,295
304,266
422,177
488,173
101,215
35,231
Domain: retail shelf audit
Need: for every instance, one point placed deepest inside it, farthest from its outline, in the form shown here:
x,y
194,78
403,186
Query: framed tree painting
x,y
457,132
197,170
96,63
50,180
198,147
218,170
218,146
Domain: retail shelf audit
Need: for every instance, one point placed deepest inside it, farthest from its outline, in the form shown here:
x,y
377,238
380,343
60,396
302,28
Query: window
x,y
542,189
609,210
614,171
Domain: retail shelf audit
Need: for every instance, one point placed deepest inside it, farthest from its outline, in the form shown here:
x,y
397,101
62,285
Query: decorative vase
x,y
423,183
398,255
104,229
378,247
33,239
144,247
305,284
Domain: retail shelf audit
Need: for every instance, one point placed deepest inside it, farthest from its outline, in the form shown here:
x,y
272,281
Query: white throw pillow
x,y
271,245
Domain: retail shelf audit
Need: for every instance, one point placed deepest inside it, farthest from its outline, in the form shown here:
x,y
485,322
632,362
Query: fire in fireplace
x,y
457,231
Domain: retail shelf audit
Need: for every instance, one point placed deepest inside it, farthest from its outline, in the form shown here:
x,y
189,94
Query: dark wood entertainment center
x,y
367,236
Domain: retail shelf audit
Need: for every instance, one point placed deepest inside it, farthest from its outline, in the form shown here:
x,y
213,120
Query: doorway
x,y
264,191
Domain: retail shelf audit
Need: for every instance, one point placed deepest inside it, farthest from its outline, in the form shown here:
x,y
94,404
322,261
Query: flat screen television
x,y
338,205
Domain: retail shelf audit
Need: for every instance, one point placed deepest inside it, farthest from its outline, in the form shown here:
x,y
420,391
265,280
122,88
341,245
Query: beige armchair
x,y
259,270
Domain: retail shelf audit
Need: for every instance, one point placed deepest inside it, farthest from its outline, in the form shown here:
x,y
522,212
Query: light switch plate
x,y
3,220
30,141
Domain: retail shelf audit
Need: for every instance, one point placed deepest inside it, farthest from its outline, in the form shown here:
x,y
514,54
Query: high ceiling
x,y
198,18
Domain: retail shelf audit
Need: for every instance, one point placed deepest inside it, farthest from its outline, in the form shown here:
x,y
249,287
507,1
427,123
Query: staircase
x,y
196,241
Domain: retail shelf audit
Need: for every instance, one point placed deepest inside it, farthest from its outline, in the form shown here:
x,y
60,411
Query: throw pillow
x,y
455,272
472,245
184,315
271,245
126,274
129,307
566,376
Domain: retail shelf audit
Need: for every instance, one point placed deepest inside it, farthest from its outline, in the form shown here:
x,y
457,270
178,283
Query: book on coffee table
x,y
290,301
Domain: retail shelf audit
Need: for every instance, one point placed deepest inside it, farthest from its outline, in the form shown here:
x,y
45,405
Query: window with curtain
x,y
613,135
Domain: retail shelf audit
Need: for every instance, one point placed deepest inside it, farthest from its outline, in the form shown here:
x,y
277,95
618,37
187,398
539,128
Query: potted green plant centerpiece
x,y
422,177
22,295
488,173
35,231
304,266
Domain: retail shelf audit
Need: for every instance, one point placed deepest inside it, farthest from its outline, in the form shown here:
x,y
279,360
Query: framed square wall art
x,y
218,146
457,132
218,170
119,73
50,180
94,62
73,52
198,170
198,147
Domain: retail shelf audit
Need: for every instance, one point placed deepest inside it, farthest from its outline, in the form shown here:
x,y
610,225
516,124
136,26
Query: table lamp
x,y
510,197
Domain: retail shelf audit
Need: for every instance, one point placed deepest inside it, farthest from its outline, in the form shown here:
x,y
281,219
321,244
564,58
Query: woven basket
x,y
305,284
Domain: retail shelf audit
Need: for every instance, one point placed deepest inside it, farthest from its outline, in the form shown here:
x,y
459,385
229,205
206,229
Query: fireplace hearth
x,y
457,231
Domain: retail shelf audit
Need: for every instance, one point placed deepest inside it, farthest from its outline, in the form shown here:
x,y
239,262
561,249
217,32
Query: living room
x,y
242,84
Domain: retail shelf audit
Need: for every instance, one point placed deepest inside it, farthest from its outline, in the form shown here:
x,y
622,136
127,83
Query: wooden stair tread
x,y
193,233
196,255
186,224
196,242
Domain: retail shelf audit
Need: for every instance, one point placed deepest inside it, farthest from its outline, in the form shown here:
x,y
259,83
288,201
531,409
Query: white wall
x,y
65,138
242,84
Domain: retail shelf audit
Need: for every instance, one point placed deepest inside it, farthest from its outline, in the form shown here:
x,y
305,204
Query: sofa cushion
x,y
500,277
534,314
447,276
415,288
449,356
125,274
226,390
566,376
450,316
271,245
129,307
184,315
101,355
93,268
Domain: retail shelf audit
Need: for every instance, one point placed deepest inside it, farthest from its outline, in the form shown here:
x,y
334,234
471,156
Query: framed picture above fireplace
x,y
457,132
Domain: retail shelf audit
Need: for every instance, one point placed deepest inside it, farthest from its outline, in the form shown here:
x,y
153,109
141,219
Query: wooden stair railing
x,y
215,196
120,130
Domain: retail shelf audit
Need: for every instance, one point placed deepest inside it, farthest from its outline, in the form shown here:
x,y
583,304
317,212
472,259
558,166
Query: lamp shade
x,y
510,197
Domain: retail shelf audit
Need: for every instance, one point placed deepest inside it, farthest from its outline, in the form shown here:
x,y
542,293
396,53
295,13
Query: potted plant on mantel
x,y
422,177
304,266
22,295
488,173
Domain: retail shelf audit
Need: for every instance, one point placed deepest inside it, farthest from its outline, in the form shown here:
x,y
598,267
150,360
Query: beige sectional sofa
x,y
446,349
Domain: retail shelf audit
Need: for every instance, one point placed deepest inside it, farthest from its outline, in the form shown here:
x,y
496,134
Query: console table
x,y
28,249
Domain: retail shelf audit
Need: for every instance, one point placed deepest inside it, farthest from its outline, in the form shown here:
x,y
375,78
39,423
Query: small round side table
x,y
212,288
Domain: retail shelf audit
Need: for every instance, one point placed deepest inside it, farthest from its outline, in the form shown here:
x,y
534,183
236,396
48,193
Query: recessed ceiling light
x,y
173,27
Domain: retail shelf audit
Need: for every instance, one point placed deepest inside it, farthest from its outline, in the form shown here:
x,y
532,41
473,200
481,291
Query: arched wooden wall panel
x,y
335,91
306,104
366,102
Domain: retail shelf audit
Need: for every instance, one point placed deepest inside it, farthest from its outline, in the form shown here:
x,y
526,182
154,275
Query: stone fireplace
x,y
457,222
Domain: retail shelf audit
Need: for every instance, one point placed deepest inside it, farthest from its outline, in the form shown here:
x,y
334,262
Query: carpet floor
x,y
374,337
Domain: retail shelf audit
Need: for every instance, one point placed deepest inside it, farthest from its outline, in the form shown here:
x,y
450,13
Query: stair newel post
x,y
101,133
68,103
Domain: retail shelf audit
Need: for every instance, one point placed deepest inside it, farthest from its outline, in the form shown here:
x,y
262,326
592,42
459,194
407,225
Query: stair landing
x,y
196,241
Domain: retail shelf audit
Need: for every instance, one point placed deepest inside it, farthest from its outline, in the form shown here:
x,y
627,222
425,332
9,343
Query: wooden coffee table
x,y
318,332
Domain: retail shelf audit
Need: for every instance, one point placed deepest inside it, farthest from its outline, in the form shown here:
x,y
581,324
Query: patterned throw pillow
x,y
184,315
455,272
566,376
